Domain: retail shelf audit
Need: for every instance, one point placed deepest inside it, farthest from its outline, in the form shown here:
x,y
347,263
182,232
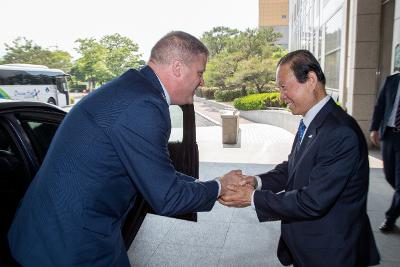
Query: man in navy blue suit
x,y
385,125
320,192
72,212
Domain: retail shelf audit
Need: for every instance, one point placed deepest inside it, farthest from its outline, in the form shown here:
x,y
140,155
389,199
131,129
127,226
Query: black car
x,y
26,131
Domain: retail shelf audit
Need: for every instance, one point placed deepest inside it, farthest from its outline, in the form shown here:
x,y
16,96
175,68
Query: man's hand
x,y
233,177
237,196
374,137
249,180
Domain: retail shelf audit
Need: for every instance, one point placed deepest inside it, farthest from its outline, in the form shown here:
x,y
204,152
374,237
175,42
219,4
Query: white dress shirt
x,y
392,117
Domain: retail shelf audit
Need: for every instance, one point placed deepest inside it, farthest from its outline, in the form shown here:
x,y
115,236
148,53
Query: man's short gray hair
x,y
177,45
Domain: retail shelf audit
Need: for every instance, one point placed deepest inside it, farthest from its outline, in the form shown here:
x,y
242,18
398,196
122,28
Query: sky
x,y
58,23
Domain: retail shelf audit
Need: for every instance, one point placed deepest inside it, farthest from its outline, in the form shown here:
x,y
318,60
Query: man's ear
x,y
176,67
312,79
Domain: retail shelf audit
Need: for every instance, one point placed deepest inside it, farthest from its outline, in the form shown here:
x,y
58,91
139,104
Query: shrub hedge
x,y
206,92
268,88
259,101
228,95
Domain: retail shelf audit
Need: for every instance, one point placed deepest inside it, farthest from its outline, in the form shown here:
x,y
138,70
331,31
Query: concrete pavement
x,y
234,237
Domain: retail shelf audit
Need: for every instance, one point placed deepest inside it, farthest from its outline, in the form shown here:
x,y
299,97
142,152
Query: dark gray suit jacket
x,y
320,195
384,104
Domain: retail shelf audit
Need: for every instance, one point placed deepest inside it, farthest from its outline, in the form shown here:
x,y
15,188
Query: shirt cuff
x,y
252,200
259,182
217,179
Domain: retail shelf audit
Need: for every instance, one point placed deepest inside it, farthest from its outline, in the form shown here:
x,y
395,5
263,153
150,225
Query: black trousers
x,y
391,167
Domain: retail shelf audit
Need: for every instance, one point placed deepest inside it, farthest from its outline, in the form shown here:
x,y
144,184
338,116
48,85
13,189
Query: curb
x,y
208,118
213,103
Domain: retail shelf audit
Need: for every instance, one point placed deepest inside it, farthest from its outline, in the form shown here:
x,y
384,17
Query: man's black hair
x,y
301,63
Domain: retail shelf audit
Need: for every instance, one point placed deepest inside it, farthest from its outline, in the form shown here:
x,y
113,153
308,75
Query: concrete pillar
x,y
363,59
230,126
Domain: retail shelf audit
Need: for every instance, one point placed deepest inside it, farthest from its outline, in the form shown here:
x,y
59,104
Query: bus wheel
x,y
51,101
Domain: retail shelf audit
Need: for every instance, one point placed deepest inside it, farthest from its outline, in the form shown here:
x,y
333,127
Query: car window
x,y
40,134
176,114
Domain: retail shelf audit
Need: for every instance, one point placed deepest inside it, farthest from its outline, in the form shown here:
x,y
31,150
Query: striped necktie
x,y
300,133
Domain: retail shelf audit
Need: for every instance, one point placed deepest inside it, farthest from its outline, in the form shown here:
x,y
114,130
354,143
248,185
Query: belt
x,y
393,129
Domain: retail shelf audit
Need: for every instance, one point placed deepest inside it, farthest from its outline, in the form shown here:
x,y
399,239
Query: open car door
x,y
26,131
184,155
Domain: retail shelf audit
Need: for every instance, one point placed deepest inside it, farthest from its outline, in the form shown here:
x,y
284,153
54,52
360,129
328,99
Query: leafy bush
x,y
77,87
268,88
274,100
259,101
228,95
253,91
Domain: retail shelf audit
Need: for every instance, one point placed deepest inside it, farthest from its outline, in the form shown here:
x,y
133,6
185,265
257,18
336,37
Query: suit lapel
x,y
309,138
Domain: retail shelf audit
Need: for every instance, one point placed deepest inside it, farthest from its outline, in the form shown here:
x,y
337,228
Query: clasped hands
x,y
236,189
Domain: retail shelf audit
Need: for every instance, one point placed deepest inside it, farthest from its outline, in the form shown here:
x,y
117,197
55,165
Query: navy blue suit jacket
x,y
384,104
111,145
321,196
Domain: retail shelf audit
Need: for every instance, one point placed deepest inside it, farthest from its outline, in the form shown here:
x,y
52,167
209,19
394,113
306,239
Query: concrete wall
x,y
271,11
280,118
277,117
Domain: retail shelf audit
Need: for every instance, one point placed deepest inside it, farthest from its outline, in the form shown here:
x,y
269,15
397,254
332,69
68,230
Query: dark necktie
x,y
300,133
397,118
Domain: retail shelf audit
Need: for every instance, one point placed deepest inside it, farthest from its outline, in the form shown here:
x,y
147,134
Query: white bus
x,y
34,83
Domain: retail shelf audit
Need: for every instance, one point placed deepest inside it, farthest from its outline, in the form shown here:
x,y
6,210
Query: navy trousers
x,y
391,166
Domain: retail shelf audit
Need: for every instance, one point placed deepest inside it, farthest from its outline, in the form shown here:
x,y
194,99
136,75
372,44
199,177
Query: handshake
x,y
236,189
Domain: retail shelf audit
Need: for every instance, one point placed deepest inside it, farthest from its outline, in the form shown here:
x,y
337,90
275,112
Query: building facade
x,y
357,43
275,14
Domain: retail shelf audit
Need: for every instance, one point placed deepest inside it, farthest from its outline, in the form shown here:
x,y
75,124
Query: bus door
x,y
62,88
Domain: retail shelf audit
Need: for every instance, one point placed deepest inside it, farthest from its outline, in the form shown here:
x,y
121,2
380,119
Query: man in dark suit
x,y
386,119
111,146
320,193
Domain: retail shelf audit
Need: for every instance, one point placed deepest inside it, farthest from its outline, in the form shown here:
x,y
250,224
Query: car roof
x,y
7,105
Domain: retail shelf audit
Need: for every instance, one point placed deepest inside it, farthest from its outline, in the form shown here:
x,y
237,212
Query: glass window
x,y
332,68
40,134
176,114
397,58
333,31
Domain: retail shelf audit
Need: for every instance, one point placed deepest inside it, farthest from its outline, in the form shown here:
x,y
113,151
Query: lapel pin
x,y
310,136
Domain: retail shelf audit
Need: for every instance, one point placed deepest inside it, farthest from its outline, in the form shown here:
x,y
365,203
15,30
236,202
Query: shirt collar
x,y
167,98
310,115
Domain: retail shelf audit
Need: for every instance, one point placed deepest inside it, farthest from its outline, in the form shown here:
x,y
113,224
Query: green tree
x,y
25,51
106,59
220,68
254,73
92,65
219,39
241,59
122,54
252,42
